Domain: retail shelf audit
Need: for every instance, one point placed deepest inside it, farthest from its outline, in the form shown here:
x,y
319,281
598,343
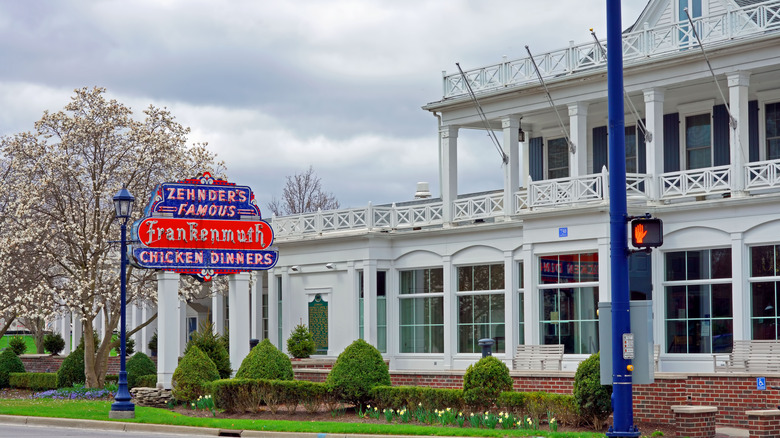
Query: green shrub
x,y
9,363
33,381
358,368
484,381
265,362
137,366
312,394
147,381
112,378
563,408
18,345
592,398
236,395
211,344
153,344
72,369
195,370
53,343
515,403
301,342
431,399
129,346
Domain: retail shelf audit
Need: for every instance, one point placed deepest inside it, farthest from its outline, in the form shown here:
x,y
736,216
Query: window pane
x,y
698,141
696,265
436,340
762,261
466,339
764,329
773,131
522,276
631,149
763,300
588,303
496,277
721,301
550,305
558,158
465,310
436,280
699,302
481,309
407,282
549,268
589,267
675,266
699,336
497,308
723,335
721,263
481,277
436,310
464,278
569,267
675,302
676,337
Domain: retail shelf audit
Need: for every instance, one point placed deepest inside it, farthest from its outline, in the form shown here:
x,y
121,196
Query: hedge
x,y
242,395
147,381
431,399
33,381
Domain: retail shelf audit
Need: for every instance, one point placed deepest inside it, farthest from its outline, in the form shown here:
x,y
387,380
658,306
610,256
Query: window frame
x,y
548,161
759,279
491,293
424,296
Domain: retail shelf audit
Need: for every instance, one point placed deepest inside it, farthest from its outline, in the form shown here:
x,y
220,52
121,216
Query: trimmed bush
x,y
53,343
9,363
484,381
147,381
357,370
33,381
211,344
301,342
592,398
18,345
236,395
265,362
431,399
137,366
195,370
72,369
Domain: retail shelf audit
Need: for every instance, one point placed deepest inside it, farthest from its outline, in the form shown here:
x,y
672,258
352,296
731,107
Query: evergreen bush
x,y
484,381
33,381
53,343
72,369
9,363
265,362
18,345
147,381
357,370
153,344
301,342
194,372
137,366
593,399
211,344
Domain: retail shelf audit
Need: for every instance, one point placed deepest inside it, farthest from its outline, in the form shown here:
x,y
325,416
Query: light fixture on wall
x,y
329,265
295,268
520,132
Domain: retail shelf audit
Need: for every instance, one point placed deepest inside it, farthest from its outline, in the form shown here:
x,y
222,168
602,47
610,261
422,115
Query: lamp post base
x,y
121,415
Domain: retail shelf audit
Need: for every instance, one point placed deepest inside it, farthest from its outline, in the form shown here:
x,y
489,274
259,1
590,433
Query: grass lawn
x,y
98,410
28,340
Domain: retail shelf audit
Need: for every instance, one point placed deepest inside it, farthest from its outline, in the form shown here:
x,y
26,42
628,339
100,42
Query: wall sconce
x,y
520,135
329,265
295,268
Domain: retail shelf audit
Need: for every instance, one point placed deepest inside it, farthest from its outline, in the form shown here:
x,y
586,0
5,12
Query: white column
x,y
511,125
740,289
136,319
238,302
449,169
369,301
578,123
450,313
739,142
77,328
183,332
167,326
147,332
273,308
65,331
218,312
257,306
531,310
285,314
510,304
654,113
354,287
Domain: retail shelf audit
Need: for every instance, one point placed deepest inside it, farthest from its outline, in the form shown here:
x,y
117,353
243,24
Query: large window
x,y
698,141
381,309
764,290
699,314
631,150
480,307
569,299
773,131
421,301
557,158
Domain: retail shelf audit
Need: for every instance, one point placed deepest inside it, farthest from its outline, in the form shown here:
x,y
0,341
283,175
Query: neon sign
x,y
203,227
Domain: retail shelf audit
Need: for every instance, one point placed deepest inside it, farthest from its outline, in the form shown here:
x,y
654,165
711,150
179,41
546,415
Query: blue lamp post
x,y
122,406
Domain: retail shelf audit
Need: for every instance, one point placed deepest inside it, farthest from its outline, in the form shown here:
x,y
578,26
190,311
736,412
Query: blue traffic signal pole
x,y
622,399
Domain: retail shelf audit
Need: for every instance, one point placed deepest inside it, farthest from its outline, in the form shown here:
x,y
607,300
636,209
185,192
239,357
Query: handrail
x,y
638,46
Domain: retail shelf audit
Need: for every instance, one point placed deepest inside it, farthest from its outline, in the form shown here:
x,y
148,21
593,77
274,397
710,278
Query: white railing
x,y
478,207
638,46
762,174
637,185
566,190
696,182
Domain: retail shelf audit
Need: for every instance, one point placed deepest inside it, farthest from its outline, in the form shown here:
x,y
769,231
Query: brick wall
x,y
34,363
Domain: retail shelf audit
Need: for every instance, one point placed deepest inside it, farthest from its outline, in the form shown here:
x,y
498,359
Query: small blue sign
x,y
761,383
563,232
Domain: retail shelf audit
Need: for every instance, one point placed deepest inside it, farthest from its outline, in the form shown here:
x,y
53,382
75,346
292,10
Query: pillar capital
x,y
738,79
578,108
511,121
654,95
449,131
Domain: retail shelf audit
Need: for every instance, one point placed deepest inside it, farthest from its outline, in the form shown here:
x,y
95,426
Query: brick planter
x,y
764,423
695,421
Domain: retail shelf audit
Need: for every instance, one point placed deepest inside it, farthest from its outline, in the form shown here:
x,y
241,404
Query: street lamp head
x,y
123,203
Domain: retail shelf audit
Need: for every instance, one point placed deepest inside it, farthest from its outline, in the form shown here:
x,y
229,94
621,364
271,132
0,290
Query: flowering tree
x,y
64,176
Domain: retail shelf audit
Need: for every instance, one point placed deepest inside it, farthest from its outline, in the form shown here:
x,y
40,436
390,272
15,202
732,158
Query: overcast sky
x,y
277,86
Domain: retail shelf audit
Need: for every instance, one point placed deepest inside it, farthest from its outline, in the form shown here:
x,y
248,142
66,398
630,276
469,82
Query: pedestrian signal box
x,y
647,233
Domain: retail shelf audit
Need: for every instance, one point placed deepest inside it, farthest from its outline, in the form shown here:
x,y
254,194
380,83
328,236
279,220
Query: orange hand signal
x,y
640,233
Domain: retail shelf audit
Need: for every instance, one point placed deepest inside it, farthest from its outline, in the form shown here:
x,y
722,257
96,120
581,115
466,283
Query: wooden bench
x,y
538,357
749,356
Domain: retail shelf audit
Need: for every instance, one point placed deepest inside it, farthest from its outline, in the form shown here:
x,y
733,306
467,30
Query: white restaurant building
x,y
425,279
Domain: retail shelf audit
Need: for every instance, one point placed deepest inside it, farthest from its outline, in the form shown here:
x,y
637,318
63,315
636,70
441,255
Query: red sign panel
x,y
157,232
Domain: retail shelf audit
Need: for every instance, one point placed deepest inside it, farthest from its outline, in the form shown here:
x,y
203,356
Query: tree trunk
x,y
10,321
